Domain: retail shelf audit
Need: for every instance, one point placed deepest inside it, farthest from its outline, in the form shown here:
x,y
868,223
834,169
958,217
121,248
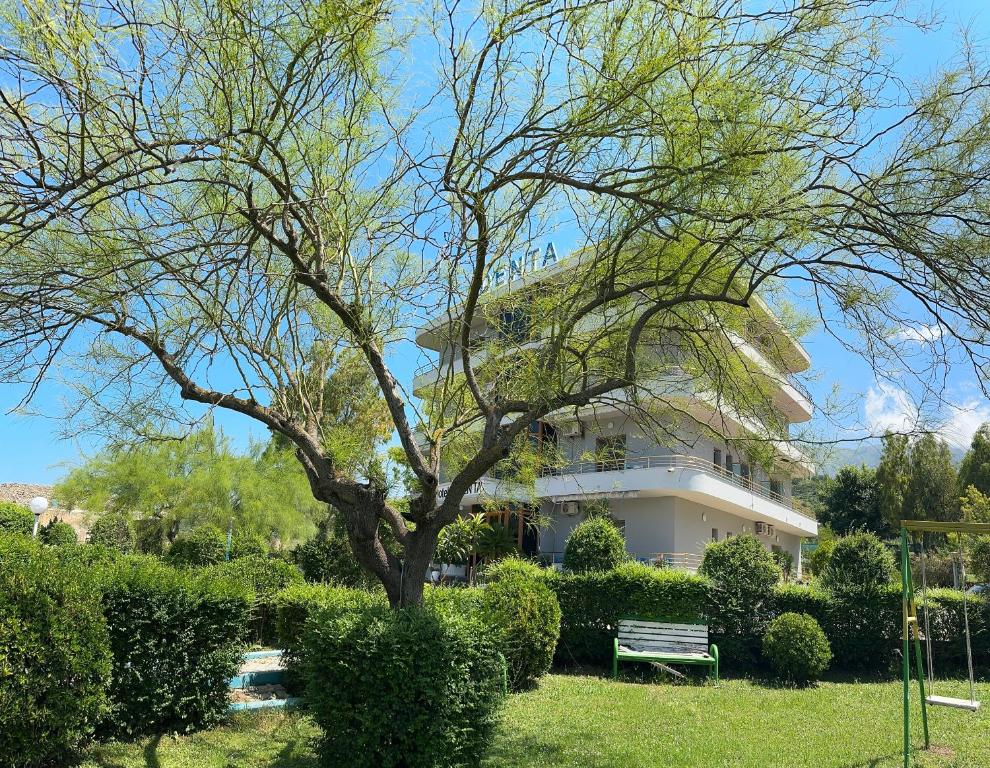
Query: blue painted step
x,y
263,676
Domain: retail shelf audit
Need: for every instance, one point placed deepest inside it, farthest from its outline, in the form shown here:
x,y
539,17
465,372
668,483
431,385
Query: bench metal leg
x,y
615,660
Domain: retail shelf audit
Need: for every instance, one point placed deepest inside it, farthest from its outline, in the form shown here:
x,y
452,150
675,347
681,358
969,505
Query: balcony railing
x,y
672,462
684,561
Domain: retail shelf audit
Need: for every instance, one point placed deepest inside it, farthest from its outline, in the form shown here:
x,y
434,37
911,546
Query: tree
x,y
115,531
196,481
850,502
893,477
223,203
974,506
932,493
975,468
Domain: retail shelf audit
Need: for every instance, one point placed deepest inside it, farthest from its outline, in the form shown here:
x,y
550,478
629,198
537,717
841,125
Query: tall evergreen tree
x,y
975,467
850,502
893,477
933,490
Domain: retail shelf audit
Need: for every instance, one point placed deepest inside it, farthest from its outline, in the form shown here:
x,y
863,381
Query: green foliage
x,y
510,567
979,558
177,638
784,561
151,535
15,519
525,615
859,563
265,577
975,468
54,660
248,545
205,545
893,477
114,530
592,603
197,481
406,688
933,490
946,628
295,605
975,506
796,648
57,533
594,545
850,502
328,558
826,543
743,574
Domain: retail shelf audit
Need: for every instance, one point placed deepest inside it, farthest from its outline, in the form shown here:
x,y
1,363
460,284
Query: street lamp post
x,y
38,505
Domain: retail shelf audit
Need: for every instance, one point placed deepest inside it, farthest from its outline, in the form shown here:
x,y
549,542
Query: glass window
x,y
611,453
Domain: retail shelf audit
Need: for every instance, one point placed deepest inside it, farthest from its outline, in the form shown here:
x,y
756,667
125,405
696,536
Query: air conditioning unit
x,y
574,430
764,529
570,508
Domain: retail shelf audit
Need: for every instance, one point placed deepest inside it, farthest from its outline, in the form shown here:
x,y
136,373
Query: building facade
x,y
671,497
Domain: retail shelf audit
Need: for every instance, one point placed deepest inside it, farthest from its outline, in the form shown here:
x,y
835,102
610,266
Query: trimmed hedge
x,y
591,605
796,648
54,659
205,545
177,639
57,533
15,519
265,577
410,688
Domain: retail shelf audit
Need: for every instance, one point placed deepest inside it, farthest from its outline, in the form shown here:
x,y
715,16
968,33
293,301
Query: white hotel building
x,y
669,501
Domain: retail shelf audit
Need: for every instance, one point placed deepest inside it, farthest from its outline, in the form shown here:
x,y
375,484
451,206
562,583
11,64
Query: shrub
x,y
591,605
177,638
248,545
410,688
594,545
784,561
265,577
796,648
327,558
980,559
115,531
54,660
946,628
864,628
15,519
743,575
295,605
939,569
150,535
512,566
526,617
205,545
859,563
57,533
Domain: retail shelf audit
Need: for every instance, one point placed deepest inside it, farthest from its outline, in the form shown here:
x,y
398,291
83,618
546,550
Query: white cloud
x,y
963,421
888,408
921,334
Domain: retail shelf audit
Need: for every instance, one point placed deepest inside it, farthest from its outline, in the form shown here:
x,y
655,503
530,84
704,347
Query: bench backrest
x,y
643,635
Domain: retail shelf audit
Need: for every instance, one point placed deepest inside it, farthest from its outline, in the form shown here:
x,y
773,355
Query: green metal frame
x,y
911,630
659,657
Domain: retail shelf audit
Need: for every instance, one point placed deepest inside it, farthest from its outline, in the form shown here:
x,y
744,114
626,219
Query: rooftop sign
x,y
530,261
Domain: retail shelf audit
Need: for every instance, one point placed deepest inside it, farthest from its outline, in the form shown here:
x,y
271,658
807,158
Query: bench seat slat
x,y
701,639
690,628
628,653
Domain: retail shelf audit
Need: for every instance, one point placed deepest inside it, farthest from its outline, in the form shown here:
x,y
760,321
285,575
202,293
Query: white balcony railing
x,y
683,561
673,462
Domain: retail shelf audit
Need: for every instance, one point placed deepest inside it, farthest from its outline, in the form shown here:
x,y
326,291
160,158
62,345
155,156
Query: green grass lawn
x,y
587,722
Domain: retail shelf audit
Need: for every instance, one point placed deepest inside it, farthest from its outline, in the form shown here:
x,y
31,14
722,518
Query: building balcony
x,y
686,477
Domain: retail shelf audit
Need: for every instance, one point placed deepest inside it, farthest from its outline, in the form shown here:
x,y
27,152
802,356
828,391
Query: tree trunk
x,y
416,561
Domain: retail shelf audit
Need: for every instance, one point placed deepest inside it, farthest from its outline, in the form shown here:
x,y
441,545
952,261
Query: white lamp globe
x,y
38,504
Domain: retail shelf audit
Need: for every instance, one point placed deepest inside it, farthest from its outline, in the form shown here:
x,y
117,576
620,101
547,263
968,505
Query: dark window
x,y
611,452
776,488
717,457
728,463
714,534
513,325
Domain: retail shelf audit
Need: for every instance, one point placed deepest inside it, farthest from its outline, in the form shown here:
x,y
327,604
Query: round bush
x,y
150,535
57,533
406,688
248,545
796,648
743,574
526,616
327,559
114,531
15,519
858,563
594,545
205,545
54,657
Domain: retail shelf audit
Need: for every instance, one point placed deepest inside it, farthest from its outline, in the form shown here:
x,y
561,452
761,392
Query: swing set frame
x,y
911,630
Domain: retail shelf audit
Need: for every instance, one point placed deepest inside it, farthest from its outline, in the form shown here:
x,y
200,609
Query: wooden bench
x,y
665,643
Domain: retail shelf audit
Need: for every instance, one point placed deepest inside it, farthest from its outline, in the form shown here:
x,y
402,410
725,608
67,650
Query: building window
x,y
776,489
620,524
611,453
729,464
714,534
717,457
513,326
744,472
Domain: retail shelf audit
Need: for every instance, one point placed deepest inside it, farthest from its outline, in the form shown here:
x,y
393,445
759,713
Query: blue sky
x,y
33,449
